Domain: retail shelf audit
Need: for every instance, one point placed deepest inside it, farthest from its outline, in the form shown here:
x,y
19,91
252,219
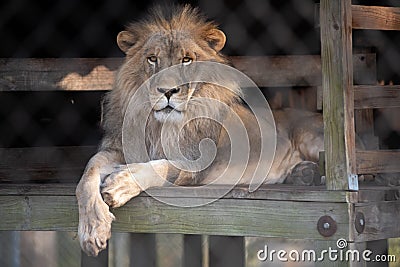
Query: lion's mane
x,y
163,21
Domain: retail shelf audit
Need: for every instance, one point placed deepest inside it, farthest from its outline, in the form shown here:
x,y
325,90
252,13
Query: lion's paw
x,y
119,187
94,227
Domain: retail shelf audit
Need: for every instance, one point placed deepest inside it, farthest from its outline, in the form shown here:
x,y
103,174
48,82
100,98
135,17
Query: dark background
x,y
72,28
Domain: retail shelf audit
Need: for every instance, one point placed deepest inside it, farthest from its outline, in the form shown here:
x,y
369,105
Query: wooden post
x,y
192,255
100,261
338,104
227,251
143,250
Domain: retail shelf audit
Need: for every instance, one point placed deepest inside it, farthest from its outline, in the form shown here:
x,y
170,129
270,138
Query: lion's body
x,y
161,41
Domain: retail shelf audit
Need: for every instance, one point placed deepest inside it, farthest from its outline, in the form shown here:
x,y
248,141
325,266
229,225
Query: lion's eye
x,y
187,60
152,60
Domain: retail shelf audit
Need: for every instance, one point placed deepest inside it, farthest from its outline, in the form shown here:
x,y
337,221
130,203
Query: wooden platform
x,y
271,211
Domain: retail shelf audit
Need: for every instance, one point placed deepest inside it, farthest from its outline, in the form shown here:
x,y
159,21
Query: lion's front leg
x,y
119,187
94,216
129,180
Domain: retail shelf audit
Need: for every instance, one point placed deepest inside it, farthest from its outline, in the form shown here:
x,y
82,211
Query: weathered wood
x,y
100,261
265,192
364,124
143,250
370,17
234,217
377,193
227,251
378,161
227,216
371,96
376,17
55,74
46,164
98,74
380,222
192,251
338,106
273,71
377,96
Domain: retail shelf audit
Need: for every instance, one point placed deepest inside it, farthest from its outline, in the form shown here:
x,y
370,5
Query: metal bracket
x,y
353,182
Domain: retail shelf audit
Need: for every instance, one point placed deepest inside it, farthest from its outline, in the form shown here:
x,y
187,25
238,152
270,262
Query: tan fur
x,y
170,37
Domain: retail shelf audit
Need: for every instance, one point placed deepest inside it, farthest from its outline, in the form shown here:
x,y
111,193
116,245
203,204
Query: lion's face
x,y
159,49
169,99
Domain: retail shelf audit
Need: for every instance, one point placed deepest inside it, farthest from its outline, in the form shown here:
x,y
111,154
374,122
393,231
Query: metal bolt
x,y
359,222
326,226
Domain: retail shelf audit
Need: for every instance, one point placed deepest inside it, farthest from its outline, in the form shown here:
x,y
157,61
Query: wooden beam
x,y
376,96
338,106
48,164
265,192
226,216
227,251
379,218
272,71
376,17
142,250
35,74
192,251
144,214
98,74
100,261
378,161
370,17
371,96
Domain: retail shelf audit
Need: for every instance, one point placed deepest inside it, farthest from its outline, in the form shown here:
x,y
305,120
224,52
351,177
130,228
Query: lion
x,y
177,37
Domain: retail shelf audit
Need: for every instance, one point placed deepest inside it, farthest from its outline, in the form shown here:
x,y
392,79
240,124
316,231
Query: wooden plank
x,y
371,96
55,74
227,251
100,261
46,164
364,124
378,161
370,17
233,217
376,17
380,218
273,71
368,193
265,192
376,96
98,74
338,106
192,251
29,213
143,250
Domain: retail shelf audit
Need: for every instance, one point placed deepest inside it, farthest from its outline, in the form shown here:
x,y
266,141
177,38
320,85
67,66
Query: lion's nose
x,y
168,92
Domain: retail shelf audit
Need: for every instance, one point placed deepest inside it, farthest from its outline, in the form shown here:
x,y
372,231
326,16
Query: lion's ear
x,y
216,39
125,40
